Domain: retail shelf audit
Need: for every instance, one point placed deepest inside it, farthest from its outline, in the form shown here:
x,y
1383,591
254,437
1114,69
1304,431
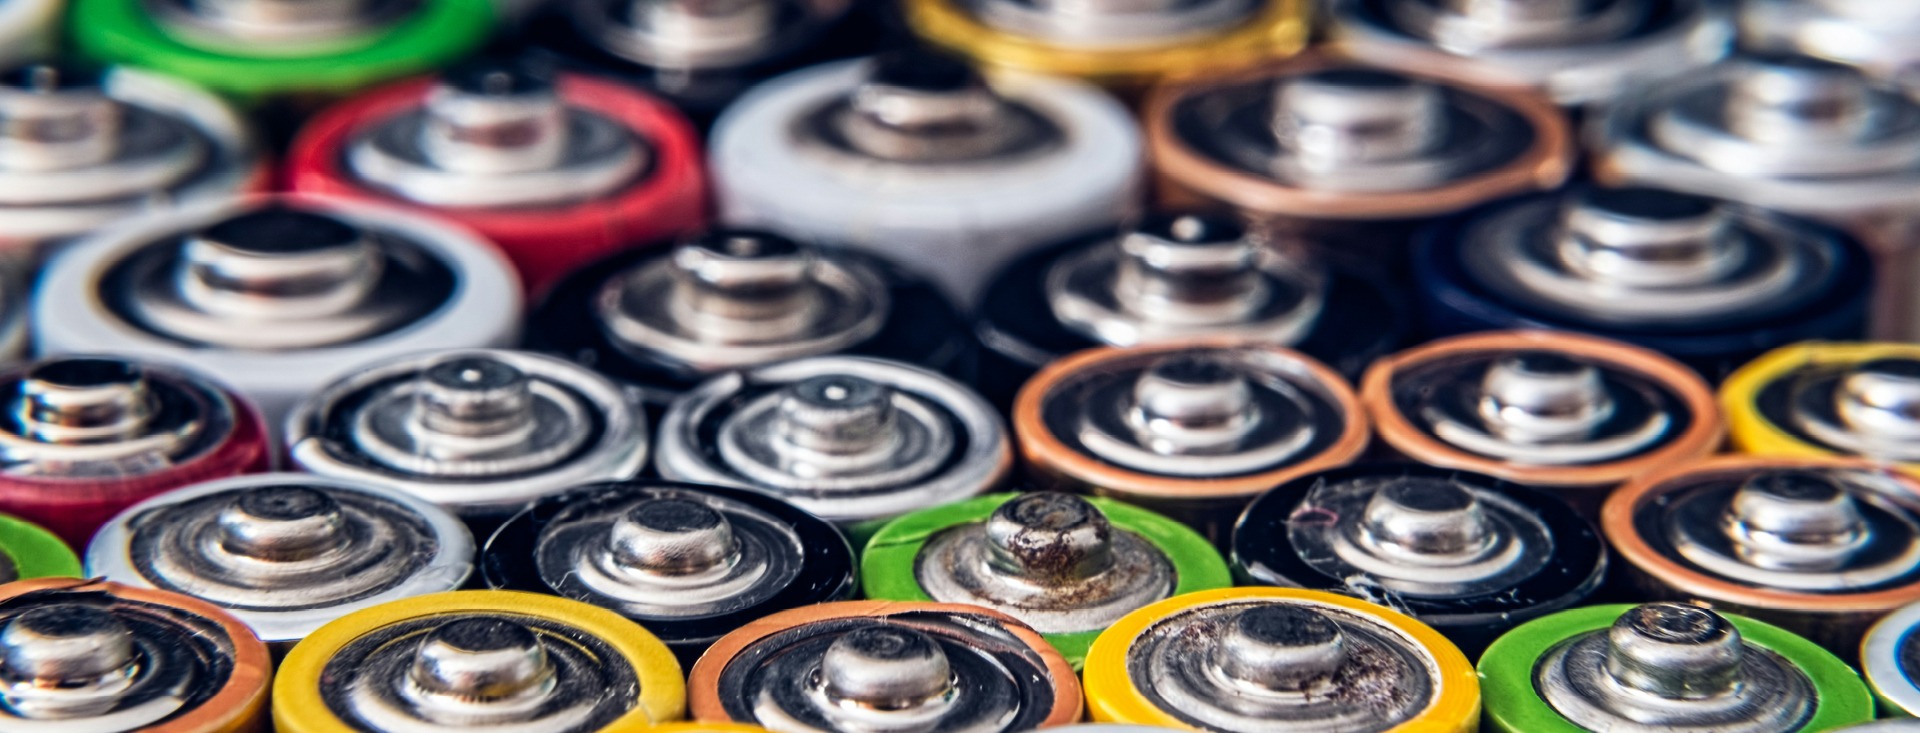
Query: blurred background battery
x,y
666,319
29,551
1190,430
1176,275
1824,399
1120,44
880,665
1790,134
1066,565
472,660
1881,37
1279,660
104,658
1470,555
85,148
90,436
912,156
855,441
285,552
1345,159
1571,414
29,30
276,295
690,563
1821,547
1664,666
1707,282
1579,53
480,432
557,171
1890,662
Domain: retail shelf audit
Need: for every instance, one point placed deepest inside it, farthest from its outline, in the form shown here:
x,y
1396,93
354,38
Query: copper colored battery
x,y
886,665
1823,547
1191,430
1350,159
1572,414
183,665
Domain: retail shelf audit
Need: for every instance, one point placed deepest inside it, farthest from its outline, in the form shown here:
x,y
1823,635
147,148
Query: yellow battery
x,y
1341,646
1125,50
580,644
693,726
1817,399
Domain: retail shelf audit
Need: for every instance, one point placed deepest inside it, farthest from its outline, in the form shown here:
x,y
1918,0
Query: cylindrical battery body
x,y
276,295
913,158
29,551
1825,399
556,172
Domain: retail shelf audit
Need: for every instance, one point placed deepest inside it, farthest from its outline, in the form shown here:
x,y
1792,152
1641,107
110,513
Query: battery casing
x,y
33,552
1763,403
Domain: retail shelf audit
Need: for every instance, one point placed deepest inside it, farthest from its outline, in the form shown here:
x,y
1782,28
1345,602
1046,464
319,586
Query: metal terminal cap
x,y
1673,667
1281,666
925,107
1113,24
1793,530
1543,408
669,554
107,416
499,133
280,26
1866,33
462,671
846,438
1476,26
81,662
1868,409
1175,275
1420,537
66,138
1051,560
730,299
693,34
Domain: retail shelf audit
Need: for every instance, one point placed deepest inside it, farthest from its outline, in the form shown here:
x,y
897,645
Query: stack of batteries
x,y
959,366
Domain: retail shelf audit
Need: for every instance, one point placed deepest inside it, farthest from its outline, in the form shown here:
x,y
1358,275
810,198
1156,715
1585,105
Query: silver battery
x,y
1051,560
1790,134
1578,52
849,439
480,432
1273,666
285,553
476,670
1869,408
1880,36
80,150
1669,666
691,36
277,295
107,419
497,136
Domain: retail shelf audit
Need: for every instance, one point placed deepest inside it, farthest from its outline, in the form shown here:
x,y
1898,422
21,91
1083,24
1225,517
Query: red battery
x,y
370,147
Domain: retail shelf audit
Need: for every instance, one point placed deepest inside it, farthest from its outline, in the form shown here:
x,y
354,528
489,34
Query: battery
x,y
690,563
29,30
1065,565
1790,134
29,551
1823,399
1576,415
1890,661
558,170
664,320
87,655
1190,430
1470,555
1664,666
1876,36
914,157
1821,547
480,432
90,436
1347,160
285,552
261,50
275,295
884,665
89,147
1175,275
1240,660
1579,53
853,440
1124,45
478,659
1707,282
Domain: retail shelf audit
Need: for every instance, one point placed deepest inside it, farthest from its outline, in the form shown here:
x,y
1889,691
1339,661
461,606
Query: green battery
x,y
1663,665
1065,564
245,50
27,551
